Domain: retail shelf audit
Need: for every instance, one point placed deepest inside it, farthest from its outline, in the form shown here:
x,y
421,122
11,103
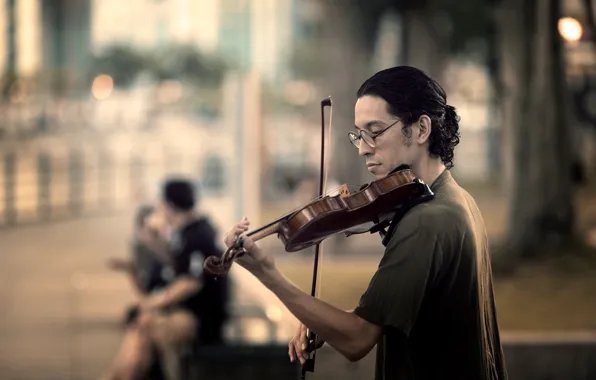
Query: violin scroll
x,y
220,266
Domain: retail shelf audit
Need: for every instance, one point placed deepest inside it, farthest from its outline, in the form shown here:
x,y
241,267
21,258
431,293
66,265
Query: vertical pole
x,y
11,57
44,178
11,54
10,213
137,178
251,146
104,181
239,149
494,131
76,179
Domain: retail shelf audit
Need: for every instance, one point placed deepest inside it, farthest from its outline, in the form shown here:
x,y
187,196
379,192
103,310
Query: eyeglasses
x,y
369,139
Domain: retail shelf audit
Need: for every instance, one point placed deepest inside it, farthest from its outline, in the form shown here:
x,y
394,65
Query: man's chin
x,y
378,172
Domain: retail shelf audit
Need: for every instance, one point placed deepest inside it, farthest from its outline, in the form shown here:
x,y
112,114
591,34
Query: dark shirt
x,y
190,246
432,294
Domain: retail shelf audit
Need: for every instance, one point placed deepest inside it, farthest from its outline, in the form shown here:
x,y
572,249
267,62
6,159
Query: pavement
x,y
60,306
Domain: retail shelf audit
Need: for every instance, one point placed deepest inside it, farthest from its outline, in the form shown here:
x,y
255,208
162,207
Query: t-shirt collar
x,y
442,179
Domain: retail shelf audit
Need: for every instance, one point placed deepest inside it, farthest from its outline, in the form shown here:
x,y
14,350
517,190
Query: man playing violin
x,y
429,307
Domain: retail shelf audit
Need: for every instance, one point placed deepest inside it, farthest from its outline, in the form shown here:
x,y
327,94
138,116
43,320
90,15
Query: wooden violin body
x,y
331,215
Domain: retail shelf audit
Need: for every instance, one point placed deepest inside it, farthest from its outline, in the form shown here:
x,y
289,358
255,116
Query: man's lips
x,y
371,164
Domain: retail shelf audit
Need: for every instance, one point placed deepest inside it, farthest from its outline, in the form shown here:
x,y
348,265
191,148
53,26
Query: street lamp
x,y
570,29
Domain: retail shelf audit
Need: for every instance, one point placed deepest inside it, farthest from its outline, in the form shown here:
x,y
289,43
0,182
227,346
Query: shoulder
x,y
431,221
434,216
202,227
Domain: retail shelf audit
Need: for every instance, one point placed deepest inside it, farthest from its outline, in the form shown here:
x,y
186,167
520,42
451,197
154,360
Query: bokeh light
x,y
102,87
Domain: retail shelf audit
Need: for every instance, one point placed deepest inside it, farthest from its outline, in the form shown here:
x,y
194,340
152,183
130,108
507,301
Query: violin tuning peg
x,y
239,243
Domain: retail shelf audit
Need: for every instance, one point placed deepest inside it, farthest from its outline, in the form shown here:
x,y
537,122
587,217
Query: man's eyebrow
x,y
371,124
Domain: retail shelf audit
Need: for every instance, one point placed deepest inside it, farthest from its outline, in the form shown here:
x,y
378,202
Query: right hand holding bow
x,y
297,346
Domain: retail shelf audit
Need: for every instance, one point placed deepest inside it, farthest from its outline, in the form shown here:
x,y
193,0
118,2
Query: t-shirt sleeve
x,y
197,245
397,289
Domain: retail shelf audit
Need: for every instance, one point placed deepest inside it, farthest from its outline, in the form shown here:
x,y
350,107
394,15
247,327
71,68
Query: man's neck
x,y
428,169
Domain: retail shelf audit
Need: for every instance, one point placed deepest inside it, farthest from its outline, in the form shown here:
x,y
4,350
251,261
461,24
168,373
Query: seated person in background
x,y
191,306
145,267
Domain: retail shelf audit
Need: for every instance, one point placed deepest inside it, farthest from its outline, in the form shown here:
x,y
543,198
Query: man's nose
x,y
364,149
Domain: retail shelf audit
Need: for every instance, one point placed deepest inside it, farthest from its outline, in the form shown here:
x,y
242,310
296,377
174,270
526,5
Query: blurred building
x,y
148,24
254,34
258,34
250,34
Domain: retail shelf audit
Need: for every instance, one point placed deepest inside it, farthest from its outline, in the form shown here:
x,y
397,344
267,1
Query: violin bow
x,y
309,364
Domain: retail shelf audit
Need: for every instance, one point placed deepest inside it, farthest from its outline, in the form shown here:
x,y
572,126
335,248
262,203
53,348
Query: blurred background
x,y
101,100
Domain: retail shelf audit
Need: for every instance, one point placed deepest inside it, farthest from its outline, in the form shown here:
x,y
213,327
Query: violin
x,y
362,211
373,207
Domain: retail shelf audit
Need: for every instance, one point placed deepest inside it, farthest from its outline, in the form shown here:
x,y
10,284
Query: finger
x,y
306,348
303,333
298,351
302,341
291,352
239,230
229,240
235,232
305,352
303,330
249,244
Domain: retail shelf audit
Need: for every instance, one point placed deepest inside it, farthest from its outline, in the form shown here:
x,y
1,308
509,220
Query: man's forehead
x,y
370,111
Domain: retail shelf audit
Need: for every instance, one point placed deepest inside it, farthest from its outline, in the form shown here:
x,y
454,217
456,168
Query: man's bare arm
x,y
349,334
176,292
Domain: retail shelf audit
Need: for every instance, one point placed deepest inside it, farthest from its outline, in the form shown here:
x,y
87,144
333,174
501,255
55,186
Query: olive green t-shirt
x,y
432,294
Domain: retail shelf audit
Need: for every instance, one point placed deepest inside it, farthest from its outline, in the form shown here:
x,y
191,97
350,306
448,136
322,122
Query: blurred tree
x,y
186,62
338,49
589,8
9,77
182,62
123,63
537,127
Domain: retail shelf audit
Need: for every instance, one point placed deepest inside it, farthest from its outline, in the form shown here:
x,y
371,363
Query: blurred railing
x,y
44,185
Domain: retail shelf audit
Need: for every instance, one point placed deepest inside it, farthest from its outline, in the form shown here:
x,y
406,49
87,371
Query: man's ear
x,y
424,129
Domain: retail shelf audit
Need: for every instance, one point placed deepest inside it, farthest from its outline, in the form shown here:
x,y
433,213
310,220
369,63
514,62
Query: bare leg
x,y
168,333
134,357
164,331
173,328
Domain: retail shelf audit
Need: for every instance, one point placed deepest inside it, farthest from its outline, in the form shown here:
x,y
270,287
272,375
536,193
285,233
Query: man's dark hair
x,y
410,94
179,194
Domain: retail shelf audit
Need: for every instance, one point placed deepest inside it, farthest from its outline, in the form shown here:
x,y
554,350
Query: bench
x,y
240,358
